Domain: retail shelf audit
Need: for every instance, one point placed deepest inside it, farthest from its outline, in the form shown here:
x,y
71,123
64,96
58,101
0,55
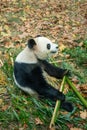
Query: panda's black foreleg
x,y
53,70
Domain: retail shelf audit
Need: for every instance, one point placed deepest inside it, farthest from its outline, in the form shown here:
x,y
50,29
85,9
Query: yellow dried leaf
x,y
83,89
4,34
75,128
62,47
74,36
3,78
75,80
23,1
83,114
1,63
0,28
38,121
3,90
6,27
1,101
23,18
53,128
5,107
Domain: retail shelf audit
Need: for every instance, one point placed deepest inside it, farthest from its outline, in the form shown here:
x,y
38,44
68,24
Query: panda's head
x,y
42,47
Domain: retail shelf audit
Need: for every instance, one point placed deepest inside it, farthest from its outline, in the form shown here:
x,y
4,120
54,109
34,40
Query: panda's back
x,y
26,56
24,74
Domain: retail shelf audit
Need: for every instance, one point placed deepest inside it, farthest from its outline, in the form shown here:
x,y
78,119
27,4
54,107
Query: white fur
x,y
26,56
41,50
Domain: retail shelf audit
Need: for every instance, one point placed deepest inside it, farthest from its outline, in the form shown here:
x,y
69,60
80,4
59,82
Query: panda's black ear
x,y
31,43
38,36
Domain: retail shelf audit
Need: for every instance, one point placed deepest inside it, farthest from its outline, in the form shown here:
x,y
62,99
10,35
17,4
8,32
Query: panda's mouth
x,y
53,52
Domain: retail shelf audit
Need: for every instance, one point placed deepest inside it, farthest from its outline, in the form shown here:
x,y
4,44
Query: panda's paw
x,y
67,106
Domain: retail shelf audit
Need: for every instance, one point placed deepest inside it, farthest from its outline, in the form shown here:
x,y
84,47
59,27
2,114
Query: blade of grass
x,y
16,115
57,106
76,92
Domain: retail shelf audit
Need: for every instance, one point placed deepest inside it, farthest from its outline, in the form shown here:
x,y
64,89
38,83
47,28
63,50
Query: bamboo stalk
x,y
57,106
76,92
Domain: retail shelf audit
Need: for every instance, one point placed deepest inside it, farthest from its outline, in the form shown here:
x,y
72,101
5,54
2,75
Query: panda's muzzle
x,y
55,49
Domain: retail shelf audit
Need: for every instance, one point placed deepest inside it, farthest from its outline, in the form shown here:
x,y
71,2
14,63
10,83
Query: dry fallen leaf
x,y
1,63
83,89
83,114
75,128
5,107
53,128
23,35
75,80
3,78
38,121
1,101
62,47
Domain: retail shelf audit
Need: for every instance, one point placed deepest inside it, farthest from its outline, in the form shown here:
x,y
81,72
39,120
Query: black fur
x,y
31,43
67,106
30,75
53,70
38,36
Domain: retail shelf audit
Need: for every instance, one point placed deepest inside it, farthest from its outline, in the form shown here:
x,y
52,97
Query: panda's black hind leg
x,y
51,93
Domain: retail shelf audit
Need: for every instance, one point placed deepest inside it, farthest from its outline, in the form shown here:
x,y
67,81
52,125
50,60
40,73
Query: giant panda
x,y
29,66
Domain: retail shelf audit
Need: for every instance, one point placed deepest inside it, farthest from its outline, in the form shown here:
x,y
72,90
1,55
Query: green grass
x,y
79,56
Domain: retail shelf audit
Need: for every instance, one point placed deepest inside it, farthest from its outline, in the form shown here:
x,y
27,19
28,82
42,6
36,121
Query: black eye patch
x,y
48,46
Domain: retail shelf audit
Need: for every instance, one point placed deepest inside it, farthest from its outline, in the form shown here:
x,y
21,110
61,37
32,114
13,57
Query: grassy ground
x,y
64,22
